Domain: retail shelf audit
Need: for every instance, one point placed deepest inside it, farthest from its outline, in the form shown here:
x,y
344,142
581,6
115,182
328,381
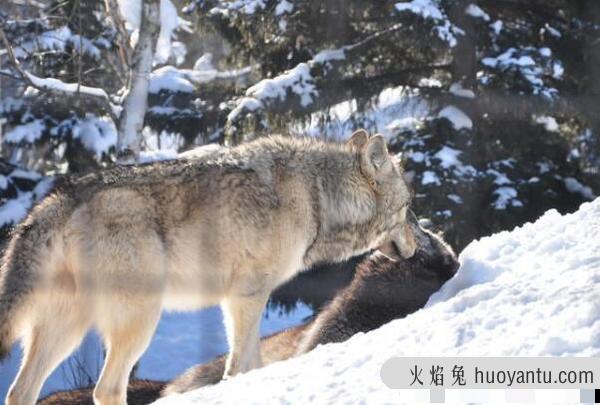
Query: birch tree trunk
x,y
135,102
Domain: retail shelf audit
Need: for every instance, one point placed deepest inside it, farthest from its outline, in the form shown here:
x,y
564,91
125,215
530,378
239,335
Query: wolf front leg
x,y
242,320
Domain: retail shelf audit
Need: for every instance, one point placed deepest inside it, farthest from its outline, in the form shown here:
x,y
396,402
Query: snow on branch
x,y
430,9
244,6
537,67
298,80
250,7
172,79
26,186
303,80
51,85
58,40
457,117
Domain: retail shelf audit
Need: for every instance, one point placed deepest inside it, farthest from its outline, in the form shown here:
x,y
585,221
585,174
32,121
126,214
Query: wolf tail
x,y
8,301
14,283
21,265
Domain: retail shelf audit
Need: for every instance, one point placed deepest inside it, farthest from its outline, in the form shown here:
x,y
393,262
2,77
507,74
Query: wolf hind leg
x,y
46,344
125,340
242,320
130,292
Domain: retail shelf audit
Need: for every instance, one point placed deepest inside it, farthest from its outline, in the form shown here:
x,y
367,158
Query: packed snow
x,y
538,284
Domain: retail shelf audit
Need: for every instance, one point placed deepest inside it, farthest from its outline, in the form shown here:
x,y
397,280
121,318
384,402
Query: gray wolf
x,y
111,250
384,287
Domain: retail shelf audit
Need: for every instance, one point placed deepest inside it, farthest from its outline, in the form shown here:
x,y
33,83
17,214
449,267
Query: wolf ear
x,y
358,139
374,156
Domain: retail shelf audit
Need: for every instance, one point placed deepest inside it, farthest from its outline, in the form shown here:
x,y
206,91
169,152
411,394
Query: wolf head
x,y
433,258
386,179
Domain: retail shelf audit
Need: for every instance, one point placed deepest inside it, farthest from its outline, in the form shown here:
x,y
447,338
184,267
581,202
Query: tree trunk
x,y
464,58
136,100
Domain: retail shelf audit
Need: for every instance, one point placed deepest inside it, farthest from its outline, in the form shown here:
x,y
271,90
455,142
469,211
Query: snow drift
x,y
534,291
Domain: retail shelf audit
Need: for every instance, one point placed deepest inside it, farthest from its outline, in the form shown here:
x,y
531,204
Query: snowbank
x,y
534,291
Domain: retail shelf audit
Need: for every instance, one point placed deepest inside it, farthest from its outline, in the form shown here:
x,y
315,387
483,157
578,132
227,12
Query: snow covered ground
x,y
534,291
